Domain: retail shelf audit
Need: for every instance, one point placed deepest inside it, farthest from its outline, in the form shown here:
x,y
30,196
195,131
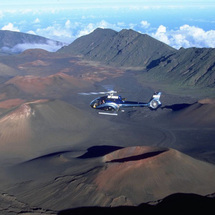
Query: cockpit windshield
x,y
98,102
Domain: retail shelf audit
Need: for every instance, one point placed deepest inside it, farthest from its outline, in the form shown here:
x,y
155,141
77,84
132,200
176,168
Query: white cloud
x,y
67,31
102,24
10,27
37,20
144,24
68,24
121,24
31,32
161,34
195,36
50,46
56,32
132,25
87,30
186,36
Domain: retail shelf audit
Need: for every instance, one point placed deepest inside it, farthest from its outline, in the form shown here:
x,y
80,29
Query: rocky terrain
x,y
57,153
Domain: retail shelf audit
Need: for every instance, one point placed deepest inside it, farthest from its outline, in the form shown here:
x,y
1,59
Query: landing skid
x,y
108,113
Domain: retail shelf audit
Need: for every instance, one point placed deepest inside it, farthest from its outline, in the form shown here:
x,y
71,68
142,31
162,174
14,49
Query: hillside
x,y
189,67
127,176
131,50
16,42
201,114
32,128
183,202
126,48
50,86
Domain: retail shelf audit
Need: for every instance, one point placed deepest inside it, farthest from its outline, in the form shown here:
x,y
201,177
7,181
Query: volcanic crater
x,y
133,154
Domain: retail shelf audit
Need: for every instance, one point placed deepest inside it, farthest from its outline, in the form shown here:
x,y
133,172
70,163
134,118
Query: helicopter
x,y
111,104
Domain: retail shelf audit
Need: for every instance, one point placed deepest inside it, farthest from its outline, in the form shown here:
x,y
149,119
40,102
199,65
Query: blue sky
x,y
184,23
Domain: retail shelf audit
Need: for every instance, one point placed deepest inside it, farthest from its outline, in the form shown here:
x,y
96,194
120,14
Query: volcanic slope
x,y
126,48
36,74
127,176
159,62
35,128
198,114
186,67
52,86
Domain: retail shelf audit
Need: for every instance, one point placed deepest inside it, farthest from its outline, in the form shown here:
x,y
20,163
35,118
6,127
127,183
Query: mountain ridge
x,y
131,50
190,67
118,48
15,42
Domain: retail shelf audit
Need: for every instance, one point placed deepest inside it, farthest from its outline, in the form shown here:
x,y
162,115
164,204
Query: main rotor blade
x,y
111,92
92,93
108,87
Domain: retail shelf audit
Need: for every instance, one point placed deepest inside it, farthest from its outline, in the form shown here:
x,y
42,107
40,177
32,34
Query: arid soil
x,y
58,153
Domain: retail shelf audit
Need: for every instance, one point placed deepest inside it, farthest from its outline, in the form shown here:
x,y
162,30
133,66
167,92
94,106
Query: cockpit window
x,y
98,102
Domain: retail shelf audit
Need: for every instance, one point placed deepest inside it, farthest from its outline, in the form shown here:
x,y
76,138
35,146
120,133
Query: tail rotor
x,y
155,102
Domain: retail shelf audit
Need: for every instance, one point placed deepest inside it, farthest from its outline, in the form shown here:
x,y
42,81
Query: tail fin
x,y
155,102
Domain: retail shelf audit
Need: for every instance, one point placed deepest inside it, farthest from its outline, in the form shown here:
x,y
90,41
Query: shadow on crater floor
x,y
98,151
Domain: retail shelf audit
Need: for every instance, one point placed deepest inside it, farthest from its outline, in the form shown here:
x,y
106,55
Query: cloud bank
x,y
177,23
50,46
186,36
10,27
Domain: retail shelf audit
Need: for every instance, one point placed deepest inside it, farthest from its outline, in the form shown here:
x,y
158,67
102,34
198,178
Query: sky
x,y
178,23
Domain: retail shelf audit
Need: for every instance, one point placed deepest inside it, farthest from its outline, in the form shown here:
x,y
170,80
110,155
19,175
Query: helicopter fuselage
x,y
115,103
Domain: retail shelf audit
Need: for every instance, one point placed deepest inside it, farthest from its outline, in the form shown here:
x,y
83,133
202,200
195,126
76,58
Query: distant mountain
x,y
191,67
125,48
16,42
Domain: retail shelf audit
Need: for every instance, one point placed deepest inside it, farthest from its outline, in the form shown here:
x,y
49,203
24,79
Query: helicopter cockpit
x,y
97,102
106,99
